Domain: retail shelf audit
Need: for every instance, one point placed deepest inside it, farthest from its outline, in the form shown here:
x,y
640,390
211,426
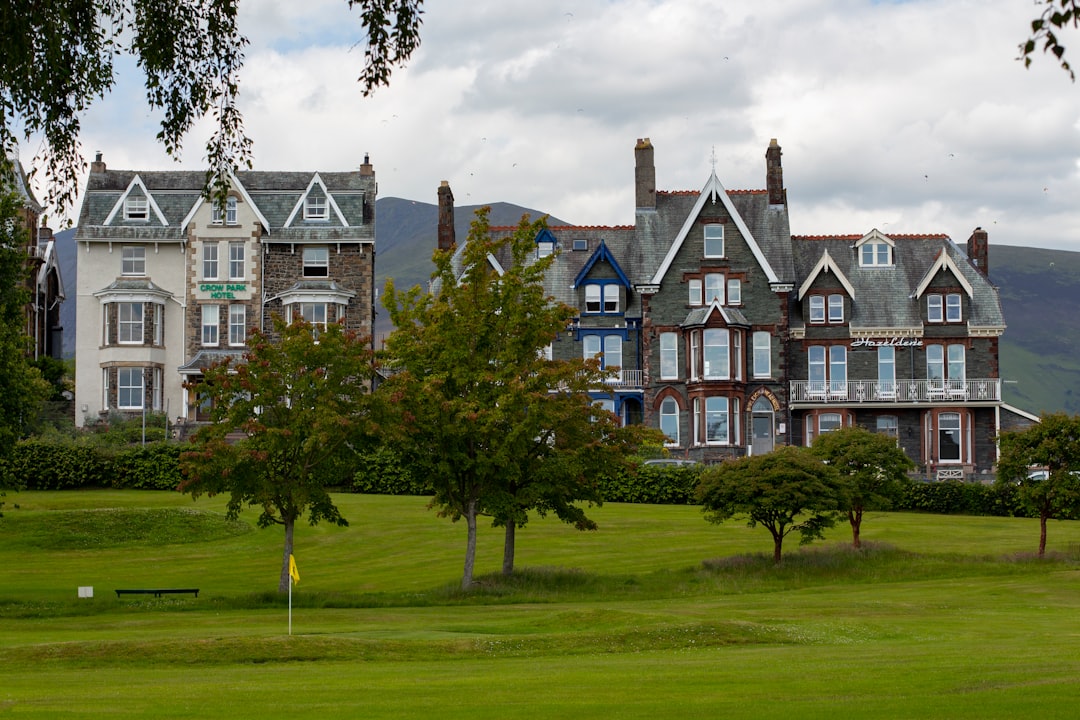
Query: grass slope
x,y
657,614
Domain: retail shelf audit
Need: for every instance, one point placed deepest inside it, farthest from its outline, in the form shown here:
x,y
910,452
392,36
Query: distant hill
x,y
1040,294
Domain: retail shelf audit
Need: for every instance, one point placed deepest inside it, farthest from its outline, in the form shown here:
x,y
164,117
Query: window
x,y
236,260
734,291
611,298
159,312
836,308
210,261
237,324
669,356
875,254
316,261
315,206
933,308
580,244
612,351
230,212
136,208
956,366
716,421
133,260
695,360
592,298
210,319
935,365
714,241
314,313
827,422
669,420
949,437
714,288
817,308
716,360
953,308
886,372
548,352
816,371
544,248
129,388
130,323
838,370
762,354
736,354
590,346
888,425
695,292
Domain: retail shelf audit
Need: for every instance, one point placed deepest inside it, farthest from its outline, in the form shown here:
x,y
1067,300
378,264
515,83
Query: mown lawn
x,y
657,614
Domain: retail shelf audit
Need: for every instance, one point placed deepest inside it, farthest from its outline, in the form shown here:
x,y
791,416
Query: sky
x,y
908,117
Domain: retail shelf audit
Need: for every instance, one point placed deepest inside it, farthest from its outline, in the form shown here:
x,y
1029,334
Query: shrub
x,y
155,466
656,484
953,497
41,465
383,471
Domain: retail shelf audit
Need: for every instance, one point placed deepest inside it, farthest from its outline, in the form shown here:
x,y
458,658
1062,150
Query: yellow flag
x,y
293,572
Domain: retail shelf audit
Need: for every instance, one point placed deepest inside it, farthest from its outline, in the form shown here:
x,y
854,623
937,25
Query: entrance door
x,y
761,427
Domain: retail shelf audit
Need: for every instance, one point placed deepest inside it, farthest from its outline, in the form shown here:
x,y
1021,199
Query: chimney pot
x,y
644,175
447,235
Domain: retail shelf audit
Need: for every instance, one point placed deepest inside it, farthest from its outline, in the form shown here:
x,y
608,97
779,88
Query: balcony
x,y
626,379
898,392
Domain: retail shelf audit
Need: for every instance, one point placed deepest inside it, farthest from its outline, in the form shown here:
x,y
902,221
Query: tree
x,y
786,490
22,389
500,430
58,59
1056,15
873,466
1052,449
285,421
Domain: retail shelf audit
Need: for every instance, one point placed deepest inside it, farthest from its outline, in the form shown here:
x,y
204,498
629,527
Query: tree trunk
x,y
1042,534
778,544
283,583
855,518
470,545
508,549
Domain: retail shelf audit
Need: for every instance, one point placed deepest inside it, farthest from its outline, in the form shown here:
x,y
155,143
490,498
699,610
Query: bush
x,y
655,484
953,497
155,466
41,465
384,472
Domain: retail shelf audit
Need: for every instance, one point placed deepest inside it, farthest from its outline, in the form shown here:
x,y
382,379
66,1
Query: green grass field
x,y
656,615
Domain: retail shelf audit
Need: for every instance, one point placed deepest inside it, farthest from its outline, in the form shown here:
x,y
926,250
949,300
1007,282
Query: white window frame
x,y
935,365
125,388
136,208
734,291
316,207
954,308
695,355
230,212
762,354
316,261
886,371
315,313
836,309
591,346
713,236
669,420
955,363
237,325
611,298
934,309
694,285
669,356
714,288
875,254
716,354
211,325
593,293
958,429
717,416
544,248
817,309
613,352
838,371
835,420
816,371
888,425
159,314
210,265
133,260
130,329
237,261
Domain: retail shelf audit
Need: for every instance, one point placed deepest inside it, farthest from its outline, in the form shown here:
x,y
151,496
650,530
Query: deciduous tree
x,y
787,490
1053,447
285,422
873,465
499,429
1055,16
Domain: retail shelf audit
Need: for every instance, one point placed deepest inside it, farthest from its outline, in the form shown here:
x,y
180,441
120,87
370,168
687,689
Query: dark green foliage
x,y
382,471
953,497
40,465
654,484
154,466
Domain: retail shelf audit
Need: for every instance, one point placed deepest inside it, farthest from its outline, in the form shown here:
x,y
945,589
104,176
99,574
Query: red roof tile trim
x,y
891,236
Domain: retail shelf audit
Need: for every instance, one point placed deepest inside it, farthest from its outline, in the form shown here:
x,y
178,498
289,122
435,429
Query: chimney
x,y
44,233
774,175
98,166
366,168
978,250
447,237
644,175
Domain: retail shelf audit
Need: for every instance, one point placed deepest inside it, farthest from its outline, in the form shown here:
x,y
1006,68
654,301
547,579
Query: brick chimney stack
x,y
978,250
644,175
44,233
98,166
366,168
774,175
447,236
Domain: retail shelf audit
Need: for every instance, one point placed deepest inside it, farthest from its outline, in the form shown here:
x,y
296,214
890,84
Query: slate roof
x,y
884,295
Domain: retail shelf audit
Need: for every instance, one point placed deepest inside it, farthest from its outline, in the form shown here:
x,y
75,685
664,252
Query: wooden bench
x,y
158,592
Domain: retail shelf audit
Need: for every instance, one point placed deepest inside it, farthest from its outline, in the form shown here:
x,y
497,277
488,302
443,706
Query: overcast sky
x,y
904,116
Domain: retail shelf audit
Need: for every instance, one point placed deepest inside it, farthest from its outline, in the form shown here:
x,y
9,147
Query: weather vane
x,y
712,159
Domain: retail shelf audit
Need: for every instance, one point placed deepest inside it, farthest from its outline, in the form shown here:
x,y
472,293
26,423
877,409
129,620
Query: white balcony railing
x,y
626,378
898,391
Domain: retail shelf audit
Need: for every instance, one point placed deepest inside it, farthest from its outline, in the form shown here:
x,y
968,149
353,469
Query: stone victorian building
x,y
170,283
733,337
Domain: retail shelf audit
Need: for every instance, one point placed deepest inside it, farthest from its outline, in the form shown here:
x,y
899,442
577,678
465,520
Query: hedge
x,y
48,465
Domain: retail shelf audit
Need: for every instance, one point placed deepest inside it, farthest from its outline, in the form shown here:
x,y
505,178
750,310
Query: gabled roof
x,y
602,254
826,264
713,188
238,186
874,235
701,315
941,263
316,180
136,182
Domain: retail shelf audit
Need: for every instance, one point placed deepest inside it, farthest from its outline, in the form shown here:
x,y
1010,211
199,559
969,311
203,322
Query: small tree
x,y
786,490
873,465
284,422
1054,445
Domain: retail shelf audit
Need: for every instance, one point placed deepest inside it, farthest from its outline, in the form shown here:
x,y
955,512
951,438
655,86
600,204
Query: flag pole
x,y
290,604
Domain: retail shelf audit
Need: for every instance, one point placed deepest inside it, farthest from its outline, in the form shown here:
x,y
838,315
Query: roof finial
x,y
712,159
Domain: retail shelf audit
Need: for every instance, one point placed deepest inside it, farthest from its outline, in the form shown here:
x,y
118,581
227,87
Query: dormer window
x,y
934,312
601,298
953,308
836,308
714,240
817,309
230,213
136,208
315,207
544,248
875,254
